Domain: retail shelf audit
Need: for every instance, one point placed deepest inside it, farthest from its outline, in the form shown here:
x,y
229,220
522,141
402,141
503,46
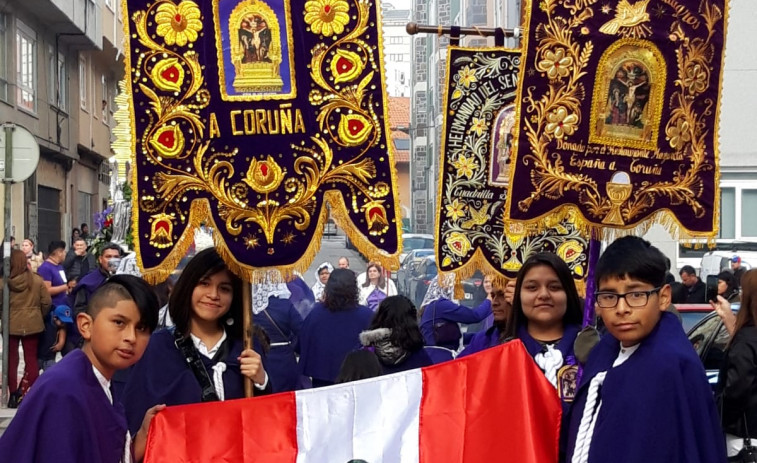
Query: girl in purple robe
x,y
546,316
206,307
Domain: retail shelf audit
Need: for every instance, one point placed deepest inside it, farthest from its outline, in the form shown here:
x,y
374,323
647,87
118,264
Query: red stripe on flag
x,y
492,406
247,430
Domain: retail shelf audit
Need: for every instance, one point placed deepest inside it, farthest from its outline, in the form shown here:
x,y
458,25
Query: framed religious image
x,y
255,58
627,103
502,146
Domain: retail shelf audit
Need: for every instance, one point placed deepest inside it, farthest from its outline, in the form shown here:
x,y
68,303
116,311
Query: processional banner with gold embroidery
x,y
477,136
618,115
258,118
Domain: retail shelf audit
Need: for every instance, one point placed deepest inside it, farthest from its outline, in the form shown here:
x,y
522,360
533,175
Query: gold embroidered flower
x,y
555,63
178,24
455,210
375,217
168,75
695,79
569,251
168,141
161,230
465,166
458,243
346,66
560,123
354,129
467,76
264,176
678,134
327,17
479,126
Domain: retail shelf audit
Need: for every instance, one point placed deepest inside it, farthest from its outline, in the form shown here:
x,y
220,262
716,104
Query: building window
x,y
748,217
727,213
3,59
57,94
83,82
26,67
105,98
84,211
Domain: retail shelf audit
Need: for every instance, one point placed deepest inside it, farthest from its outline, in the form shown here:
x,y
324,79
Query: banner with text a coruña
x,y
477,139
618,112
258,118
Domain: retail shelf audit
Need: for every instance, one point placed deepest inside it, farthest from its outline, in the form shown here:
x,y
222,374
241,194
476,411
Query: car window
x,y
715,354
424,253
409,244
703,333
689,319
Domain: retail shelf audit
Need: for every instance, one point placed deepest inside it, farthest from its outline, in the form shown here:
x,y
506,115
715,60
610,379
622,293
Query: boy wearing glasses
x,y
644,396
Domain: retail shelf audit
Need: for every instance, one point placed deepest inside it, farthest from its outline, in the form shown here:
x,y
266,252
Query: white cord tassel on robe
x,y
549,362
218,370
588,420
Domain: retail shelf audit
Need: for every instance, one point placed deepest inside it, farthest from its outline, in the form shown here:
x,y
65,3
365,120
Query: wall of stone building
x,y
419,122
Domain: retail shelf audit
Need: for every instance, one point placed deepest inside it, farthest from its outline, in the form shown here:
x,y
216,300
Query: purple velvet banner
x,y
250,116
477,136
618,114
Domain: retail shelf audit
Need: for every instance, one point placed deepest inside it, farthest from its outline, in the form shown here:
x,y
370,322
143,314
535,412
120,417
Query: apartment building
x,y
60,62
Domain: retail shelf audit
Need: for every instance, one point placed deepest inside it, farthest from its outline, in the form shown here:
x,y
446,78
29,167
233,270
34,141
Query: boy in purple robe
x,y
69,414
643,395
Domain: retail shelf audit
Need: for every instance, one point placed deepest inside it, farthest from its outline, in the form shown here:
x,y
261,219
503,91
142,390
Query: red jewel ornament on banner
x,y
258,119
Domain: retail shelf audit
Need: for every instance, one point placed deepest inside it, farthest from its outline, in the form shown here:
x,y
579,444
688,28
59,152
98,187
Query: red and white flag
x,y
492,406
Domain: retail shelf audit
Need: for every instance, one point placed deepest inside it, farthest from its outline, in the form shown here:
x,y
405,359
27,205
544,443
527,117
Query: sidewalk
x,y
6,415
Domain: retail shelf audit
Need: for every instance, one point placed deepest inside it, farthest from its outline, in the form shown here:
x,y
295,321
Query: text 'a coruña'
x,y
279,121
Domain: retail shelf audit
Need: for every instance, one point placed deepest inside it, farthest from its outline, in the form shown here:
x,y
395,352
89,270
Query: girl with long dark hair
x,y
331,330
206,308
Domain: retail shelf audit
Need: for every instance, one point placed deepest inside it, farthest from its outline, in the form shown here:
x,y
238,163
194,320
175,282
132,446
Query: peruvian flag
x,y
492,406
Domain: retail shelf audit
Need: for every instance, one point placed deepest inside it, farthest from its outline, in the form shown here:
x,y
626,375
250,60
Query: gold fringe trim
x,y
122,145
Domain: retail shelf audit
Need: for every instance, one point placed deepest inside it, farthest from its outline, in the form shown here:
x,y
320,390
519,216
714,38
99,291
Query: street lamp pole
x,y
7,259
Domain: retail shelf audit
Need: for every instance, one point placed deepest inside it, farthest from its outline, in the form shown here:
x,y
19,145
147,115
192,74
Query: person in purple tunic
x,y
206,307
394,336
440,315
69,415
276,315
546,316
331,330
502,303
643,396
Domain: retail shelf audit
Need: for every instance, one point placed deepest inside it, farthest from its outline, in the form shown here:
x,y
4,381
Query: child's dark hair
x,y
573,313
634,258
341,291
359,364
398,314
204,264
127,288
54,246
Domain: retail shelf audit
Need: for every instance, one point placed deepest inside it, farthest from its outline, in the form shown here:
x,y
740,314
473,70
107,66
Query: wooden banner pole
x,y
247,328
415,28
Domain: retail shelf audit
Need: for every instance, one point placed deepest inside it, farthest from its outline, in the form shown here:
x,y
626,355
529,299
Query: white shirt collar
x,y
203,349
104,383
624,354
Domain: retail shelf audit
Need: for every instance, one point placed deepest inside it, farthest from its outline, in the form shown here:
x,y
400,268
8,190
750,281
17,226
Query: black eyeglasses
x,y
634,299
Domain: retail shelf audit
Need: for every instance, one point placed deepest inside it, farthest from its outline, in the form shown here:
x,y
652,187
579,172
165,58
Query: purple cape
x,y
657,407
327,337
444,309
162,376
482,340
66,418
281,362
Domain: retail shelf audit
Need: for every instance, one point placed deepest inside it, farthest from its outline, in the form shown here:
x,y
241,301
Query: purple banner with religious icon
x,y
258,118
618,115
477,140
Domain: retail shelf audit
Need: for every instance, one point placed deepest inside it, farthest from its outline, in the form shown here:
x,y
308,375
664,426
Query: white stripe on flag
x,y
375,420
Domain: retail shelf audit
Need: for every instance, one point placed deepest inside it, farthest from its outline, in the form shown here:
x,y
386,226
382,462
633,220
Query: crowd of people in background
x,y
350,326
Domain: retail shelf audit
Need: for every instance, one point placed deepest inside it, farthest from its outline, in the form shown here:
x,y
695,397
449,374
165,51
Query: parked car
x,y
421,277
710,338
691,314
402,275
412,241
